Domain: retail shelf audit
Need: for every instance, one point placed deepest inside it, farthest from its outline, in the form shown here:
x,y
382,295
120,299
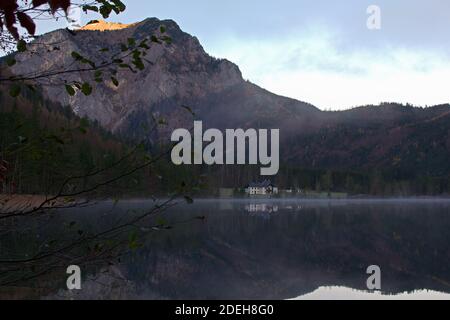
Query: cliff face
x,y
176,75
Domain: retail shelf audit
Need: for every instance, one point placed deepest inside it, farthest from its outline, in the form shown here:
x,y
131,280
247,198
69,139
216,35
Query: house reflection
x,y
261,207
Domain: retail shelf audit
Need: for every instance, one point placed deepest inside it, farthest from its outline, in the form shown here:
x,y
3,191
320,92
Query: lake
x,y
277,249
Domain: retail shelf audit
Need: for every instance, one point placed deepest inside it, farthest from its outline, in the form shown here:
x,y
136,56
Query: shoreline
x,y
17,203
10,203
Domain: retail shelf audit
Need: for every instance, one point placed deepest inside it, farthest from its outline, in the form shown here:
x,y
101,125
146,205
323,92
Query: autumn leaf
x,y
26,22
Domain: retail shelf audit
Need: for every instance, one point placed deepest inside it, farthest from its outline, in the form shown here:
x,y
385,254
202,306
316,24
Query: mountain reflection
x,y
258,249
340,293
296,248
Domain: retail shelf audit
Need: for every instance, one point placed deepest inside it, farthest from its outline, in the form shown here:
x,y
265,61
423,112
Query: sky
x,y
321,51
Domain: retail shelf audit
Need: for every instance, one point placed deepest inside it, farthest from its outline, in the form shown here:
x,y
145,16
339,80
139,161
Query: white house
x,y
261,188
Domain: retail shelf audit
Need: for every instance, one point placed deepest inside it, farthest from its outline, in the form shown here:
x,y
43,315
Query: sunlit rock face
x,y
102,25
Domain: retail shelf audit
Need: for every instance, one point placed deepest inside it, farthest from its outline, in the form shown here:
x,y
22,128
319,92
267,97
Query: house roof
x,y
263,184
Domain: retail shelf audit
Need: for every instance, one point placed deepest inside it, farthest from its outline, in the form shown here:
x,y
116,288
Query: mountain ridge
x,y
389,136
179,73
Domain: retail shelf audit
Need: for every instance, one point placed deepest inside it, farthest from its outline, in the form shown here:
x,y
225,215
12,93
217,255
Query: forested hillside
x,y
43,144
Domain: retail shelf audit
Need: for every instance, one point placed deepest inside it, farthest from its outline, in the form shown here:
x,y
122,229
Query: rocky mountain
x,y
390,136
176,75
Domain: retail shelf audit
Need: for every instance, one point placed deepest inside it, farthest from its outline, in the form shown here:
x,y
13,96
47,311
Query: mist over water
x,y
282,249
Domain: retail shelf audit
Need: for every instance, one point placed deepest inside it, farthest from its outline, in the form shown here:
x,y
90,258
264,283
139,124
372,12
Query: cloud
x,y
314,66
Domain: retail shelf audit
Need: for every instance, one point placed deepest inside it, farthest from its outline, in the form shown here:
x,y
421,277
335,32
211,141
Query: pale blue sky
x,y
321,51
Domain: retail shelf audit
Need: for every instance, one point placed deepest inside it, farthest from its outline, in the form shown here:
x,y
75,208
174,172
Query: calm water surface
x,y
269,249
273,249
